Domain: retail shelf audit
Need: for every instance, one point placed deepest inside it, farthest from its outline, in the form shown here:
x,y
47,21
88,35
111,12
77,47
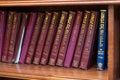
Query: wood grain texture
x,y
24,71
117,42
113,43
56,2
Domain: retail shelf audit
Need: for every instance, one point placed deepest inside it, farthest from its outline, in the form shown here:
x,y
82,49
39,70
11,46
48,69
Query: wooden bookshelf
x,y
56,2
24,71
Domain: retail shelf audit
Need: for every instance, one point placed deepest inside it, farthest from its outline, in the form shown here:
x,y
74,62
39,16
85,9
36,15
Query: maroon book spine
x,y
65,40
23,24
3,15
50,36
27,37
81,39
74,36
59,33
89,41
42,37
7,36
34,38
15,27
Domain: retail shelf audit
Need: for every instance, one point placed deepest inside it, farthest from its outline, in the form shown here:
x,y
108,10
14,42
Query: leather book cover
x,y
59,34
50,36
33,42
42,37
7,36
73,39
14,31
27,37
86,58
102,51
81,39
3,17
65,39
22,27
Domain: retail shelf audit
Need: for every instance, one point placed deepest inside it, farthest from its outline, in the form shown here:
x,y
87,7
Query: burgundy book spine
x,y
74,36
43,35
3,15
7,36
34,38
23,24
81,39
27,37
65,40
59,34
15,27
89,41
50,36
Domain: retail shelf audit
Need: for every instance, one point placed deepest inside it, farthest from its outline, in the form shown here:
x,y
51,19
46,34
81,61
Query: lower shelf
x,y
25,71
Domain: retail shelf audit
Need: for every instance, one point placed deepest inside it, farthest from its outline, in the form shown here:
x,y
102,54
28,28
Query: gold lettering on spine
x,y
31,47
67,30
60,28
75,63
12,40
55,15
46,20
89,34
35,32
65,36
101,29
59,62
53,20
82,29
52,26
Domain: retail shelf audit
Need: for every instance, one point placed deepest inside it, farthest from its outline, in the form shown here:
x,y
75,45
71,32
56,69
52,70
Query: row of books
x,y
65,38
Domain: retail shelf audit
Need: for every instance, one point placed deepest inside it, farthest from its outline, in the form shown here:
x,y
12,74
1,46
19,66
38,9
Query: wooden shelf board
x,y
24,71
56,2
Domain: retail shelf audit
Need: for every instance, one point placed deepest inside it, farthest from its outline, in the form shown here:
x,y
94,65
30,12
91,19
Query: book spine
x,y
17,59
74,35
89,41
23,23
15,27
50,36
34,38
27,37
42,38
3,15
7,36
59,33
102,40
65,39
81,39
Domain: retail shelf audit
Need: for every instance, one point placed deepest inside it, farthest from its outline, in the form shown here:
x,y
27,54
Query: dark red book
x,y
42,37
74,36
23,24
27,37
7,36
33,42
59,34
65,40
15,27
3,15
87,54
81,39
50,36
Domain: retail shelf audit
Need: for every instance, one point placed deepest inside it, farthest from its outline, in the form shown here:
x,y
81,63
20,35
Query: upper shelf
x,y
56,2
